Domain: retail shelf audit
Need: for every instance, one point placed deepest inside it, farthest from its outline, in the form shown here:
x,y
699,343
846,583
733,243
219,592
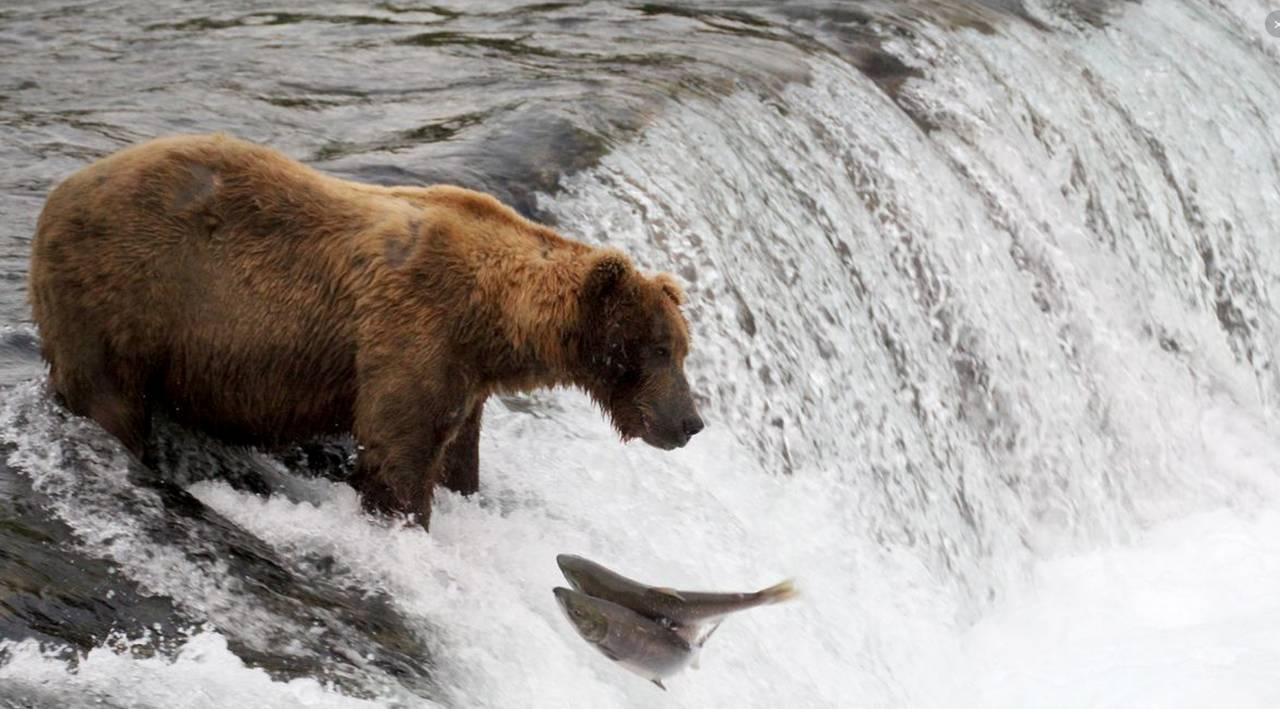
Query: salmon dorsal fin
x,y
667,592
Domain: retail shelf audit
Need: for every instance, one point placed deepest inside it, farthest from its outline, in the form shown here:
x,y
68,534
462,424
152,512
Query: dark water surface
x,y
503,97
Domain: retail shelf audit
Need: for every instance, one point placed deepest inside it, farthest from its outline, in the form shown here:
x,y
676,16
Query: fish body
x,y
678,609
652,631
642,645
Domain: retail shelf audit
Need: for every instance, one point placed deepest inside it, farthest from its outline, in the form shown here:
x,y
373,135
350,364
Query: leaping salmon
x,y
653,631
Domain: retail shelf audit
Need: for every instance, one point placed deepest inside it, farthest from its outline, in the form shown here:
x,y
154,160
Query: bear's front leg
x,y
462,460
402,434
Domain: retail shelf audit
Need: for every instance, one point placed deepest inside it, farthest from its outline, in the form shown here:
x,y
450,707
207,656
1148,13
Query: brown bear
x,y
250,296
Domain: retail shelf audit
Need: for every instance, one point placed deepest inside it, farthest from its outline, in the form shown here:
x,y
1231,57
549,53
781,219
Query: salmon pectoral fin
x,y
658,682
703,640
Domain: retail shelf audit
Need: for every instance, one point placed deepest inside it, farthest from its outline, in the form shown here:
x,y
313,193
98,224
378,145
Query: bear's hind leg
x,y
112,396
123,416
462,459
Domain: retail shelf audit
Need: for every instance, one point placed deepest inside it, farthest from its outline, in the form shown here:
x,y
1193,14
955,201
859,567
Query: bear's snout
x,y
676,422
688,428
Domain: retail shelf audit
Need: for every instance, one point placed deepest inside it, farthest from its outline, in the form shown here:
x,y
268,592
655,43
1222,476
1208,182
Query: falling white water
x,y
995,381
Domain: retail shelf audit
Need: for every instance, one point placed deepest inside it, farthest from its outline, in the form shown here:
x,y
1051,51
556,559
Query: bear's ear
x,y
607,271
668,284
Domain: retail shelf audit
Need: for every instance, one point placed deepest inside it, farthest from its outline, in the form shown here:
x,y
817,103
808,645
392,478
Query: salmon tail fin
x,y
779,592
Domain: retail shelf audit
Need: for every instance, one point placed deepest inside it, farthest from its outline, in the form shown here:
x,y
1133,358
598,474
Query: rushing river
x,y
985,299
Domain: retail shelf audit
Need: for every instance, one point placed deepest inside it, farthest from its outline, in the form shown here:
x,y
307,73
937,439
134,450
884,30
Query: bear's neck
x,y
539,319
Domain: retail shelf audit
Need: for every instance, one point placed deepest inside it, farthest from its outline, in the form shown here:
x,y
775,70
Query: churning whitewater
x,y
988,364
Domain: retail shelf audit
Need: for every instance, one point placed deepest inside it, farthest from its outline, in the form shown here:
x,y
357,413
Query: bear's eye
x,y
662,351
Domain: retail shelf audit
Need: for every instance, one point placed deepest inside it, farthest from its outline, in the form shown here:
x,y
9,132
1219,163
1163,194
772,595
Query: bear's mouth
x,y
664,440
664,443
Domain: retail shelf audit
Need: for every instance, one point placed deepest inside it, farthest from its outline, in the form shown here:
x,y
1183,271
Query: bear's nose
x,y
692,425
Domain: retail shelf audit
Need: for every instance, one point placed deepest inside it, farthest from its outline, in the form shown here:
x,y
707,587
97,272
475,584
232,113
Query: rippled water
x,y
983,297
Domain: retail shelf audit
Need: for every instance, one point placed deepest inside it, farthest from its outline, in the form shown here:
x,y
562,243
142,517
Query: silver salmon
x,y
641,645
679,609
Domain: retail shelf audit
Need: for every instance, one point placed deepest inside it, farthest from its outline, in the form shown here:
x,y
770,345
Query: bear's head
x,y
632,344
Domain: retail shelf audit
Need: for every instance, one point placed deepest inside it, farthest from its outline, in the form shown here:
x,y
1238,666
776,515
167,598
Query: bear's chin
x,y
662,443
630,430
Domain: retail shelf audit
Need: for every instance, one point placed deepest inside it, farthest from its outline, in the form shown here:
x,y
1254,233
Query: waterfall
x,y
959,344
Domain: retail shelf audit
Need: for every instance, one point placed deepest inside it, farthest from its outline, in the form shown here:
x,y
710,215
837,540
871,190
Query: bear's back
x,y
214,267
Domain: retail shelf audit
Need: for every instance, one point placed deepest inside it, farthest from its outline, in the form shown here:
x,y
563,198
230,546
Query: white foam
x,y
1186,618
203,673
1184,613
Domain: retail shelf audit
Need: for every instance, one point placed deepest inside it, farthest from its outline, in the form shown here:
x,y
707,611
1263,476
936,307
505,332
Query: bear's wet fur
x,y
250,296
